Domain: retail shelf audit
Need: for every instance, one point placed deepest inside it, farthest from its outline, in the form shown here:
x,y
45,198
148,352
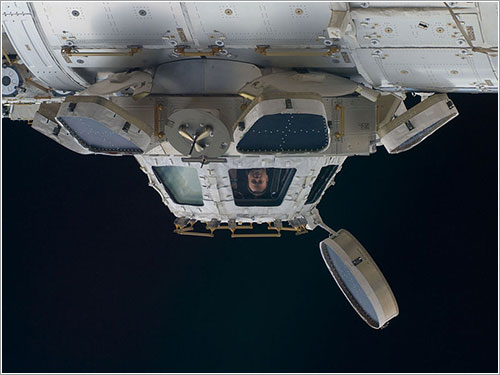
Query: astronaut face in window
x,y
257,181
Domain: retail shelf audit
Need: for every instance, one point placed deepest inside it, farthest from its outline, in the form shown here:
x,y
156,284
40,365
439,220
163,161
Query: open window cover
x,y
359,278
181,183
260,186
325,175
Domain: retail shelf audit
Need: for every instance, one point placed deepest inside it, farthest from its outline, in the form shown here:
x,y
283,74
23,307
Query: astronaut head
x,y
257,181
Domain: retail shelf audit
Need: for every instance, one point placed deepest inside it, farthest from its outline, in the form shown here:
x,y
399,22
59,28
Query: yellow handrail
x,y
342,119
181,50
67,52
264,51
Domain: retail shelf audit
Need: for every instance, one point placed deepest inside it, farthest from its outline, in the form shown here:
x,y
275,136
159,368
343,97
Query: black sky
x,y
94,280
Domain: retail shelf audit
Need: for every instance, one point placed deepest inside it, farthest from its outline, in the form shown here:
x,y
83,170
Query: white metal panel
x,y
217,193
488,14
415,28
29,45
254,23
427,69
410,4
14,7
112,24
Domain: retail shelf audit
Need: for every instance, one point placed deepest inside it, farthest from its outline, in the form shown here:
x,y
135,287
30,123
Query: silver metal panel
x,y
428,69
359,133
249,23
227,109
112,24
203,76
415,28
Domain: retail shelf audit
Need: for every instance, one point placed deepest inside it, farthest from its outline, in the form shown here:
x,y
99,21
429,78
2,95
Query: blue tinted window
x,y
296,132
97,137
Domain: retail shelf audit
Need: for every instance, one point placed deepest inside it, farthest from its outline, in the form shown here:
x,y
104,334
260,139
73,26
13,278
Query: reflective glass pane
x,y
320,183
260,186
286,132
96,136
182,184
350,286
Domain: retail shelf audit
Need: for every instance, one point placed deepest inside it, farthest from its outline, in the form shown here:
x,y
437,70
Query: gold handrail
x,y
196,234
156,123
181,50
67,52
188,230
30,81
342,119
301,229
9,61
264,51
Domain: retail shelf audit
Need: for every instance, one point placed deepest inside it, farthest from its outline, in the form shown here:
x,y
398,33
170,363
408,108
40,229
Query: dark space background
x,y
94,280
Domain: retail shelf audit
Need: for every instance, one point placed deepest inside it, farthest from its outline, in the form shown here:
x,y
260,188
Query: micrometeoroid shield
x,y
359,278
101,126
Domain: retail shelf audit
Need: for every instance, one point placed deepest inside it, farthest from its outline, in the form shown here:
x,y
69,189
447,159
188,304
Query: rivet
x,y
228,11
388,30
299,11
440,30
